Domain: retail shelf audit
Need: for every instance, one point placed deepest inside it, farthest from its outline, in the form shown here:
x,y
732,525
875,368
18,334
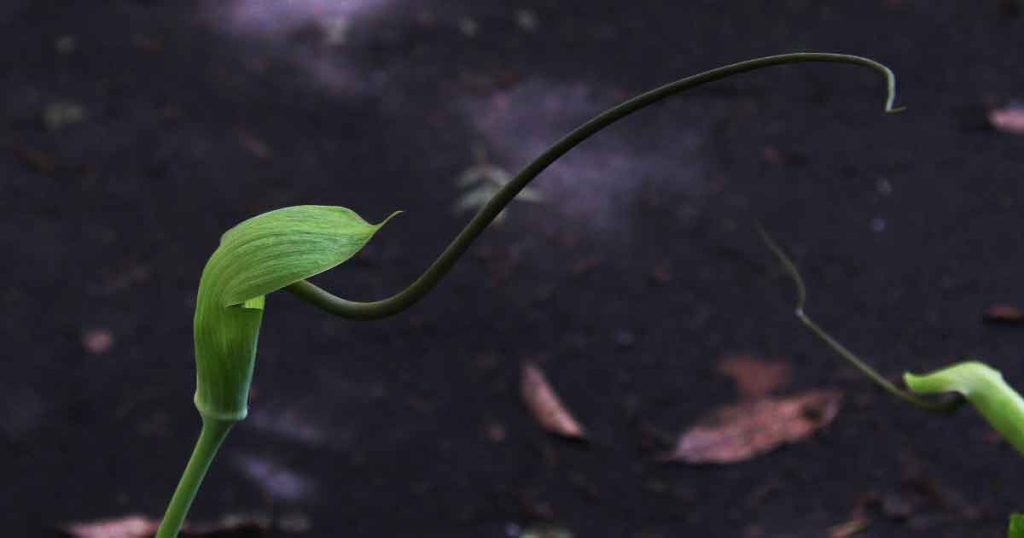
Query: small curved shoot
x,y
944,404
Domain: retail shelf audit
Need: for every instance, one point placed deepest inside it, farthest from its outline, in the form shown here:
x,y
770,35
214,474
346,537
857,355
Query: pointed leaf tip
x,y
388,218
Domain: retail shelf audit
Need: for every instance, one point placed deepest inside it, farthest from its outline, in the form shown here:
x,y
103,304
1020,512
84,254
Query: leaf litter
x,y
138,526
1009,119
755,377
133,526
849,528
480,182
545,405
98,341
1003,314
742,431
760,422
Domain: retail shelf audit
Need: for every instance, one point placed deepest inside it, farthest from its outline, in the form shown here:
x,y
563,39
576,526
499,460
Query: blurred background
x,y
636,287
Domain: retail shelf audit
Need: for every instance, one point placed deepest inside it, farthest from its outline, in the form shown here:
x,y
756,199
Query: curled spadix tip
x,y
389,217
890,94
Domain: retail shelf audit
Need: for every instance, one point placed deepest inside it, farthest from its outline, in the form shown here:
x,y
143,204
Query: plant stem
x,y
324,300
210,438
945,403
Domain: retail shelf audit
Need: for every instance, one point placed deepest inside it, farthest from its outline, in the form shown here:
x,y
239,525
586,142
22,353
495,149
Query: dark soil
x,y
636,276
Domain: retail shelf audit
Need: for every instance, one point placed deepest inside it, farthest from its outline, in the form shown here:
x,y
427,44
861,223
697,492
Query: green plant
x,y
279,250
1016,526
969,381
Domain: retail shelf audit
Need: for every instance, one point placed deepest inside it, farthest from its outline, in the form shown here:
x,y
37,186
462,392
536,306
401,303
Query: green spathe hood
x,y
258,256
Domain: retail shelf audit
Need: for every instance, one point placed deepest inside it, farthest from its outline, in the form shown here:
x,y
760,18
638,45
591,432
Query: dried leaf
x,y
849,528
133,526
98,341
481,182
754,377
742,431
137,526
545,405
1008,120
1004,314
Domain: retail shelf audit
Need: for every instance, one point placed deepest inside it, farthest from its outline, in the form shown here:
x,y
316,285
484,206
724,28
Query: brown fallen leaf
x,y
138,526
1008,119
848,529
544,403
98,341
133,526
1003,314
739,432
754,377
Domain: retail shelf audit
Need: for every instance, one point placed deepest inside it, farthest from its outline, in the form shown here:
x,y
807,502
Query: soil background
x,y
135,133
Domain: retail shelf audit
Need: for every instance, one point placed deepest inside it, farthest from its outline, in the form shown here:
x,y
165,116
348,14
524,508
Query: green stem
x,y
210,438
422,285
